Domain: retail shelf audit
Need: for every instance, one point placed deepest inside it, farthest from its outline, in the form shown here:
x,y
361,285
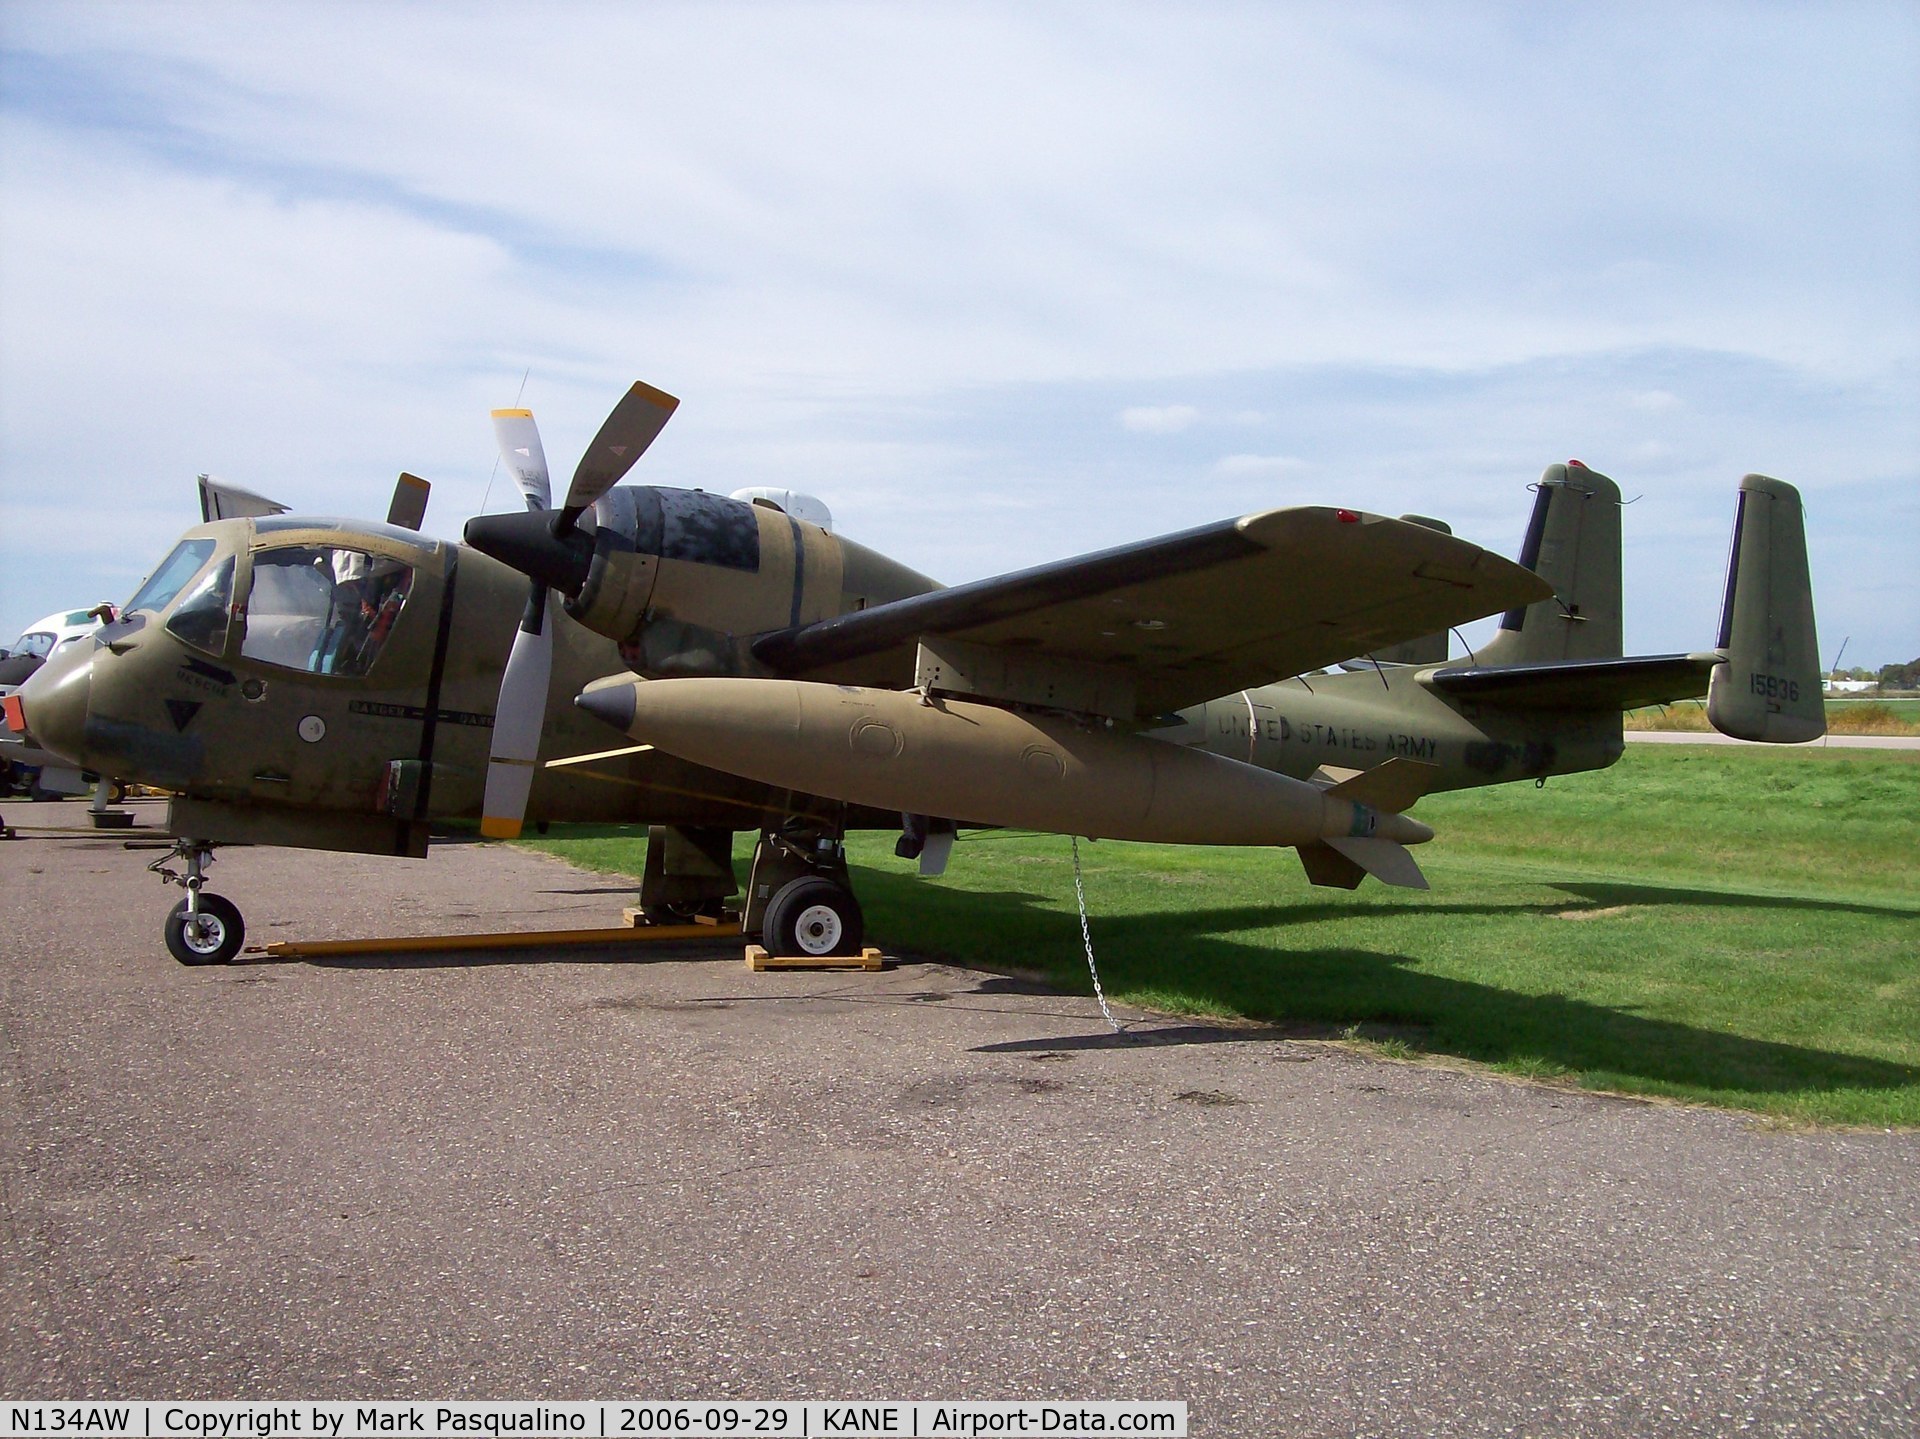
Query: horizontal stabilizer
x,y
1386,860
1605,684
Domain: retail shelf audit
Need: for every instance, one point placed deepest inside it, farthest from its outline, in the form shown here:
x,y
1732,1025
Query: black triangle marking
x,y
183,712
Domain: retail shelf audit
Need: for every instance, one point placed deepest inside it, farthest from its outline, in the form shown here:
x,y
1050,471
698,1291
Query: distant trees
x,y
1901,677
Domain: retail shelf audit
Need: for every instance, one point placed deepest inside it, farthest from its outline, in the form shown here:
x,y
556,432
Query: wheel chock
x,y
636,917
759,960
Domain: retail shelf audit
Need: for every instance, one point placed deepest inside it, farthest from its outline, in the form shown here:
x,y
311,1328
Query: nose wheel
x,y
203,928
212,935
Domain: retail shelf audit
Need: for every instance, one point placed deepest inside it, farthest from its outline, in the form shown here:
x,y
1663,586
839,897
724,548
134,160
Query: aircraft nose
x,y
53,702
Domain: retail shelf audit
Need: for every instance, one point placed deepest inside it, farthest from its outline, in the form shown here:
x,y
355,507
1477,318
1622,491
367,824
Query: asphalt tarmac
x,y
1830,741
599,1174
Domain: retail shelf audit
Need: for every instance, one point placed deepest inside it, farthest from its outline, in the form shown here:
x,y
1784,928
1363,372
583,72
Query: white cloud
x,y
1158,419
307,250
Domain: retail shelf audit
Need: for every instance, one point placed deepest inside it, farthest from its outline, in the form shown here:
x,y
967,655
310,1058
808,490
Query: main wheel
x,y
217,938
813,915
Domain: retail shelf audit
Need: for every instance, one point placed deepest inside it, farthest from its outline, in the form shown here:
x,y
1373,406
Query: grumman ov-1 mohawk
x,y
340,685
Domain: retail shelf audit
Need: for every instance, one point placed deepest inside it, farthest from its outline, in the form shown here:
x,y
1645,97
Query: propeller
x,y
634,424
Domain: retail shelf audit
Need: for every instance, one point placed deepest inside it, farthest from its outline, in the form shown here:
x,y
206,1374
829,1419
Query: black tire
x,y
222,932
814,916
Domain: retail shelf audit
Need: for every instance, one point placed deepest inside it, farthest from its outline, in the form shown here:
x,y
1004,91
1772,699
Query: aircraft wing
x,y
1621,684
1189,616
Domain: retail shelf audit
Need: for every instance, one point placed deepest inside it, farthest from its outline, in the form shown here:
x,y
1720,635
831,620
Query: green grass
x,y
1728,926
1857,714
1906,709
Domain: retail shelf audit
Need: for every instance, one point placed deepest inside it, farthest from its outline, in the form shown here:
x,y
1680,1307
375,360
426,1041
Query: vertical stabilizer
x,y
1573,543
1769,686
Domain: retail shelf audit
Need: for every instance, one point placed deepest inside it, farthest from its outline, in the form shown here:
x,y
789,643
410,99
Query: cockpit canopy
x,y
324,608
321,607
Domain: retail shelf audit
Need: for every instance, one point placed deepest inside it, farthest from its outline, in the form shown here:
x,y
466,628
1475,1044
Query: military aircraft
x,y
330,684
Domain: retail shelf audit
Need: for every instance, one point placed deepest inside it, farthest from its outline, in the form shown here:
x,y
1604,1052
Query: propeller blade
x,y
519,441
634,424
517,719
409,505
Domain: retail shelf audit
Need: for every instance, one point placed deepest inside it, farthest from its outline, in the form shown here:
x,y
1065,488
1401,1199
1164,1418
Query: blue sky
x,y
1000,283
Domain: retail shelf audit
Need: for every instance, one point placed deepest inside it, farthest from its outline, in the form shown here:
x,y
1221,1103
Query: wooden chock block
x,y
759,960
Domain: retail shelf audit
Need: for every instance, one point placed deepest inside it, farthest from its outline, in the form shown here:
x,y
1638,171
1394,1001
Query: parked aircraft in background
x,y
27,768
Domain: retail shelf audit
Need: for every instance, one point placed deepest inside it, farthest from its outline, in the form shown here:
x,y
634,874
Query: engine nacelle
x,y
684,580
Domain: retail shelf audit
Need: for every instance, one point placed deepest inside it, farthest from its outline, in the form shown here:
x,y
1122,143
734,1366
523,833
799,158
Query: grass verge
x,y
1844,716
1738,927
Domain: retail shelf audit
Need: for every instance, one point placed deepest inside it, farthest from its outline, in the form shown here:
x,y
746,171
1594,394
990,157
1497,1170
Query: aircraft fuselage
x,y
1361,718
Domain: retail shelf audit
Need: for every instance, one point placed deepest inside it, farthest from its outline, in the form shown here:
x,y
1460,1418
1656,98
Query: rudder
x,y
1768,688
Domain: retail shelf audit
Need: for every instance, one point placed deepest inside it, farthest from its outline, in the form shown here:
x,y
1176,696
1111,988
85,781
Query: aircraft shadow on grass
x,y
1319,992
1326,990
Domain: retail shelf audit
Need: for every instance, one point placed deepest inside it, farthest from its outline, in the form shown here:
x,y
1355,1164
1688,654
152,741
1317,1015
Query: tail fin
x,y
1573,543
1768,688
1342,861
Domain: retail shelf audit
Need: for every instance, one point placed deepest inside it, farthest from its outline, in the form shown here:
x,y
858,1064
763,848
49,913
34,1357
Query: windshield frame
x,y
171,576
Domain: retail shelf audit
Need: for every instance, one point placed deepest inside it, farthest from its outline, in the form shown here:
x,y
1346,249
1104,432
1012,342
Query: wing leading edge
x,y
1191,615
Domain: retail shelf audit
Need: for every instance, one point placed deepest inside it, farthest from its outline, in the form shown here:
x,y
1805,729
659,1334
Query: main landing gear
x,y
799,896
203,928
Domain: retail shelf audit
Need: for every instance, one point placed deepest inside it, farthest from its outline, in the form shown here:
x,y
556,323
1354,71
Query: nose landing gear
x,y
203,928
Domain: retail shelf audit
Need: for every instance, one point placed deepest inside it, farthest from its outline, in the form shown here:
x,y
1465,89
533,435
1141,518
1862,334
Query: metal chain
x,y
1086,938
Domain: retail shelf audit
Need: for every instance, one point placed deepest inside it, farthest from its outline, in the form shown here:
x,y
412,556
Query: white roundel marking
x,y
313,729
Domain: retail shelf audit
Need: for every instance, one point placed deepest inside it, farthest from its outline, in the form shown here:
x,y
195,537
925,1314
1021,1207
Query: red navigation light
x,y
1346,517
1576,464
